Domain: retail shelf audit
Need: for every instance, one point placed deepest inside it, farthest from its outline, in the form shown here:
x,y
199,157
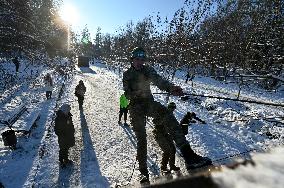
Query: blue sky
x,y
110,14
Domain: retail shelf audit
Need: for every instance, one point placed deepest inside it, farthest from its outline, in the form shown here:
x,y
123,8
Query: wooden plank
x,y
25,124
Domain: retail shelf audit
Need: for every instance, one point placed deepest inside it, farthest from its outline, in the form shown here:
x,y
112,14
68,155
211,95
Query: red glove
x,y
176,91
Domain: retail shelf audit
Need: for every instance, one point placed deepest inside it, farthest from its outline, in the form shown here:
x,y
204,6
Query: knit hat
x,y
65,108
172,105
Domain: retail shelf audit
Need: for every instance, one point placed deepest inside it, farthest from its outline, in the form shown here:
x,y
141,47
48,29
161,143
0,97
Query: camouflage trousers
x,y
162,116
165,141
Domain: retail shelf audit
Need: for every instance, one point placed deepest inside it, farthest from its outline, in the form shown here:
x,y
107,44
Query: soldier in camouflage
x,y
166,143
136,84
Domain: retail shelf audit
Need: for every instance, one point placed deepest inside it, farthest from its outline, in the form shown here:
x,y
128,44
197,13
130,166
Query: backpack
x,y
9,138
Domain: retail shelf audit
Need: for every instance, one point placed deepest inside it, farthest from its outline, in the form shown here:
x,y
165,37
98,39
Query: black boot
x,y
164,169
164,164
144,176
172,162
193,160
144,179
174,168
61,163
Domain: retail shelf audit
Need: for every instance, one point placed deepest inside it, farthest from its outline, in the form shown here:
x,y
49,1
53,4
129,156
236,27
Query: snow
x,y
268,172
104,153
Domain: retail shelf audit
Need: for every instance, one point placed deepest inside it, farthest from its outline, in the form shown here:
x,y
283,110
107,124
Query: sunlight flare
x,y
69,14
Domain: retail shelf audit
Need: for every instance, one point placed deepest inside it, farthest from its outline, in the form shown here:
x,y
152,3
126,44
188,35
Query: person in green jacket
x,y
124,102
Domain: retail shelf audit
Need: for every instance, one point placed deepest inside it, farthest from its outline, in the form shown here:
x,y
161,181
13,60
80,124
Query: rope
x,y
186,97
234,155
240,100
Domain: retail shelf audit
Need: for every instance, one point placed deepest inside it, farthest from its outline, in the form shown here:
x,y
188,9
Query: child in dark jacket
x,y
48,85
166,143
189,117
64,129
80,91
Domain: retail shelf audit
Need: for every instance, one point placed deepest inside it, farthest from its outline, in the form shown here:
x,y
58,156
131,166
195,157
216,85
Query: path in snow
x,y
104,153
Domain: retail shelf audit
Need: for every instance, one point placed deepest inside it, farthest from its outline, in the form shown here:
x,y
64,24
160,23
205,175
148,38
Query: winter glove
x,y
176,91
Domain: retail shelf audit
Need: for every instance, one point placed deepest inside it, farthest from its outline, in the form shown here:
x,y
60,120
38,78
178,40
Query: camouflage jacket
x,y
136,83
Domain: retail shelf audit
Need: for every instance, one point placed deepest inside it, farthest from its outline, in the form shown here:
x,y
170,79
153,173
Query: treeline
x,y
220,37
31,26
212,37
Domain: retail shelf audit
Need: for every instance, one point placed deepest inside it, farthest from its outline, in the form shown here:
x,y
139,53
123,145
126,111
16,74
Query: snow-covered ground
x,y
104,153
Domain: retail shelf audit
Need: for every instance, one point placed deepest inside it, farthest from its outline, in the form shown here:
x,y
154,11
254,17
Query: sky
x,y
112,14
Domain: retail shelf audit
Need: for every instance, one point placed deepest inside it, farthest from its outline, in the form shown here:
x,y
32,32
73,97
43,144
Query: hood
x,y
65,108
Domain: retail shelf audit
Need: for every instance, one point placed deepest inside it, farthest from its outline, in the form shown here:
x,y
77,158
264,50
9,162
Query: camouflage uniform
x,y
136,84
165,141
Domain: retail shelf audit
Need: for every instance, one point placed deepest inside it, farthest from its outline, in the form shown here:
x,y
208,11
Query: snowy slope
x,y
104,153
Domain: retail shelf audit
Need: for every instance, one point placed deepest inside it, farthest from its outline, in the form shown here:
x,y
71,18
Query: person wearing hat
x,y
48,85
136,84
16,63
166,143
189,117
64,129
80,91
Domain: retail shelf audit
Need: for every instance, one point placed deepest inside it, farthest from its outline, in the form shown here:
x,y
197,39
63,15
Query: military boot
x,y
144,176
174,168
193,160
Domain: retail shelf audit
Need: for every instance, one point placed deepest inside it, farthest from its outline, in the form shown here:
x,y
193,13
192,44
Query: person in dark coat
x,y
189,118
48,85
16,63
80,91
189,77
64,129
166,142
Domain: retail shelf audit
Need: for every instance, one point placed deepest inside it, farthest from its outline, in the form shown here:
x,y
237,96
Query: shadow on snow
x,y
90,169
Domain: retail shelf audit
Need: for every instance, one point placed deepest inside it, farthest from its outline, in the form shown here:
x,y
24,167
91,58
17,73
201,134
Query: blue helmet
x,y
138,52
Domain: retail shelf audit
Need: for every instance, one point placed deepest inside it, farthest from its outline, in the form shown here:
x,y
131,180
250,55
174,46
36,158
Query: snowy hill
x,y
104,153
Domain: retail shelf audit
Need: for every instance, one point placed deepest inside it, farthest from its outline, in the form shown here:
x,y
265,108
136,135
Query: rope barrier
x,y
234,155
186,97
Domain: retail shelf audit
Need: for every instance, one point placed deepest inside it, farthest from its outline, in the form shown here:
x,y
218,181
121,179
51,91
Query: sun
x,y
69,14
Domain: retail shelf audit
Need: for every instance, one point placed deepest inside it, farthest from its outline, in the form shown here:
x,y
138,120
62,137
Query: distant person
x,y
123,103
136,84
64,129
80,91
189,77
166,143
189,118
48,85
16,63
